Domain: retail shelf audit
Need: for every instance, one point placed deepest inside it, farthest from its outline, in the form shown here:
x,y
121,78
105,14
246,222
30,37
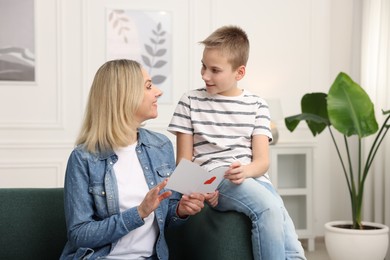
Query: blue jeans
x,y
273,232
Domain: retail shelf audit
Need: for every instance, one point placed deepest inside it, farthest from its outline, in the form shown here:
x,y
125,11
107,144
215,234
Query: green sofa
x,y
32,226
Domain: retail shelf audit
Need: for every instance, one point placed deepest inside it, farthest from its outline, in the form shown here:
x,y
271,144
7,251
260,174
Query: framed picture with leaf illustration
x,y
144,36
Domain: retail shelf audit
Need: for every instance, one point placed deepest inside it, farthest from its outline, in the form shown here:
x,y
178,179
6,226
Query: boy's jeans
x,y
273,232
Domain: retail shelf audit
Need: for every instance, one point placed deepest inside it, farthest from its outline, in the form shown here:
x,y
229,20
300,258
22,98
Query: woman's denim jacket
x,y
94,222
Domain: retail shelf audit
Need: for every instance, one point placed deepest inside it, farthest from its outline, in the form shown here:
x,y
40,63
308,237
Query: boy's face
x,y
218,74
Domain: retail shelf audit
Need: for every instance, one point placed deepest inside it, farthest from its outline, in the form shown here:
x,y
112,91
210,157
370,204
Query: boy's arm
x,y
184,146
259,165
260,157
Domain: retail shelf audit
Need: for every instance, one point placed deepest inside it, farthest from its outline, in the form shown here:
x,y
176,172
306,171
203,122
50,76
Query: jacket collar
x,y
143,139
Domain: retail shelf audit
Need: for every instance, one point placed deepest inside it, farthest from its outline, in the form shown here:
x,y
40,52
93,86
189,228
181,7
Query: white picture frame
x,y
17,41
144,36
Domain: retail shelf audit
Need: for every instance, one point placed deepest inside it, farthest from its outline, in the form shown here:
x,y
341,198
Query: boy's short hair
x,y
233,41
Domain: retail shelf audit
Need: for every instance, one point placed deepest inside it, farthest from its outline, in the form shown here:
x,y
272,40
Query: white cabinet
x,y
291,172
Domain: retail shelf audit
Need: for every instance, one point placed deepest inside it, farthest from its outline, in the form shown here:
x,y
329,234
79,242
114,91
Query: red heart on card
x,y
209,181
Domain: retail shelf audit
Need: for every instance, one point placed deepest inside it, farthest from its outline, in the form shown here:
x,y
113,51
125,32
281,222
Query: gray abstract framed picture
x,y
17,41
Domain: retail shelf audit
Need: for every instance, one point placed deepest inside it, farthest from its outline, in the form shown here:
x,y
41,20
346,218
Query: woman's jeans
x,y
273,232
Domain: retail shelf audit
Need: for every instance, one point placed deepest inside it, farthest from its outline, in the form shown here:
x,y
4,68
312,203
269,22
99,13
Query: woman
x,y
116,206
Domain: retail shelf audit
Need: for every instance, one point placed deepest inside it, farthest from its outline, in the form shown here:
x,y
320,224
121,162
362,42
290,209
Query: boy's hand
x,y
212,198
190,204
236,173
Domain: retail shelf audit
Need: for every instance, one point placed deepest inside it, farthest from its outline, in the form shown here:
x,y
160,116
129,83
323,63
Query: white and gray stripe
x,y
222,126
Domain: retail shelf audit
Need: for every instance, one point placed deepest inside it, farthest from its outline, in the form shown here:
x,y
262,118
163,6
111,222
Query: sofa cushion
x,y
211,235
32,226
32,223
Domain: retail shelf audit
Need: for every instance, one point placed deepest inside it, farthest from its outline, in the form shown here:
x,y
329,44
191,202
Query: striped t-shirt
x,y
222,126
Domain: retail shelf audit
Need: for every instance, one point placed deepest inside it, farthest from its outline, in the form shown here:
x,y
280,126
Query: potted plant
x,y
348,109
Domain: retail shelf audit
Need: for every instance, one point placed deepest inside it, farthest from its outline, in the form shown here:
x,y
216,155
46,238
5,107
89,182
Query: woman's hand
x,y
190,204
152,199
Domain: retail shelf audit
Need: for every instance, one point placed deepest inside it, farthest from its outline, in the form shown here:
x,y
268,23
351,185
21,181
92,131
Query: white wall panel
x,y
33,164
31,175
37,104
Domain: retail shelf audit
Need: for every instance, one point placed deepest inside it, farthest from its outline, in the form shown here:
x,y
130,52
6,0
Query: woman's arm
x,y
85,227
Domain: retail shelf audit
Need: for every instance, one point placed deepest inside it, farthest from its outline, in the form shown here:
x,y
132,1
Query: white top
x,y
132,188
222,126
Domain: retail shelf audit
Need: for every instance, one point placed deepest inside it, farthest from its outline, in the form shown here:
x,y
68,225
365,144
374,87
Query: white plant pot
x,y
343,244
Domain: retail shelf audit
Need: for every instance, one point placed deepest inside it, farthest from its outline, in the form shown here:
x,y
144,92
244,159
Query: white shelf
x,y
291,173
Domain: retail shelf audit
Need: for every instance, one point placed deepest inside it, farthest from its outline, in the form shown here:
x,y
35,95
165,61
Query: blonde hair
x,y
115,95
231,40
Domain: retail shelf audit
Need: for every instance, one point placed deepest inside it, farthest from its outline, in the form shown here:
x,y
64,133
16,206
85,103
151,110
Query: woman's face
x,y
148,107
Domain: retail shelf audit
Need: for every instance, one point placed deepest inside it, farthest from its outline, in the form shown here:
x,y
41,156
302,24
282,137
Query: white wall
x,y
297,46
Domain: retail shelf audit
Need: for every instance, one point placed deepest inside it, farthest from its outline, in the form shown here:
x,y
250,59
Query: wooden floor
x,y
320,251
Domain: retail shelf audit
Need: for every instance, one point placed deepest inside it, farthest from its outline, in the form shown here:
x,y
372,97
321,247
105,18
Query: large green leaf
x,y
314,112
315,103
350,109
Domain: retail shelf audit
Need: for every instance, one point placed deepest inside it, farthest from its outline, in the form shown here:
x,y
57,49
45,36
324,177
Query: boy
x,y
223,125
